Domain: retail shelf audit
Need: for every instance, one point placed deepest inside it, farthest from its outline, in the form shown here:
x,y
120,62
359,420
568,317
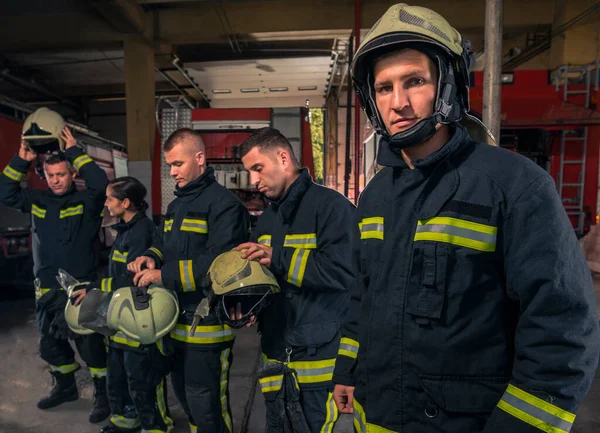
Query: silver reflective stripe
x,y
536,412
374,227
194,225
457,231
187,277
305,242
297,267
223,388
358,419
200,334
349,348
331,416
314,371
275,384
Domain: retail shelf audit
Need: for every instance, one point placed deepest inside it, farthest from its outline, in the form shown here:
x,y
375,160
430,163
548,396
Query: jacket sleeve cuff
x,y
17,169
277,262
78,157
156,255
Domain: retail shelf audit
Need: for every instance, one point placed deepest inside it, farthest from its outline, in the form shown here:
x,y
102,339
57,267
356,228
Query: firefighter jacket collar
x,y
287,205
195,187
389,158
71,190
123,226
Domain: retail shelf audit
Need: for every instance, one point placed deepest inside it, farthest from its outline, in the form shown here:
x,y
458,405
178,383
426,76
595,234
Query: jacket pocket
x,y
312,336
194,228
70,217
463,394
427,285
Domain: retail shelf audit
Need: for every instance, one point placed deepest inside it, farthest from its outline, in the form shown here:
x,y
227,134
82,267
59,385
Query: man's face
x,y
405,89
59,177
267,172
186,162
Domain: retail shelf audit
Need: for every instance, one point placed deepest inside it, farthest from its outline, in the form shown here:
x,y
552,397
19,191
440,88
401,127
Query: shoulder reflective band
x,y
157,252
348,347
106,285
168,225
265,240
307,241
194,225
120,257
97,373
13,174
121,338
298,267
80,161
271,383
186,275
203,334
224,389
459,232
310,371
535,411
38,211
371,228
71,211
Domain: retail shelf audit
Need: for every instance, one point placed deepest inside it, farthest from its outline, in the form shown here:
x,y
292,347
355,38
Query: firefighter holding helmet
x,y
473,309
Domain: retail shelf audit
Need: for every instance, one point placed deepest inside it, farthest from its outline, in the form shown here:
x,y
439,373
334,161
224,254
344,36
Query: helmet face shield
x,y
250,304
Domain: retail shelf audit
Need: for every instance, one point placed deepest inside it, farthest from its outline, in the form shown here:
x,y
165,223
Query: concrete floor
x,y
25,379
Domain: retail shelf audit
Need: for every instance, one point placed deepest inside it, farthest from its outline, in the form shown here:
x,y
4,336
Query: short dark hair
x,y
267,139
57,158
131,188
180,135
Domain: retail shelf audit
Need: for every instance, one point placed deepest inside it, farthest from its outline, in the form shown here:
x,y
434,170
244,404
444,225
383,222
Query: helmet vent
x,y
414,20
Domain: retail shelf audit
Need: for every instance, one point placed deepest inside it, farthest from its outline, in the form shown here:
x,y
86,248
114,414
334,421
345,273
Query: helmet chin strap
x,y
417,134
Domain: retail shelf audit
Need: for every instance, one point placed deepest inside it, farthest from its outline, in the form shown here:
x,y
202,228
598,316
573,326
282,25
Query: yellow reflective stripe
x,y
360,419
223,389
65,369
121,338
119,256
121,421
371,228
162,407
106,285
97,372
193,428
459,232
331,415
39,292
194,225
298,266
80,161
265,240
310,371
535,411
13,174
305,241
157,252
271,383
348,347
203,334
71,211
186,275
38,211
168,225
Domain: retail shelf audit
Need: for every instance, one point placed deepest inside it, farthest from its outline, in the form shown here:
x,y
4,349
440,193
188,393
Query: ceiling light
x,y
250,90
508,78
307,87
278,89
221,91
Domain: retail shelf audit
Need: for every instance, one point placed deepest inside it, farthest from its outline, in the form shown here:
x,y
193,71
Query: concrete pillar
x,y
140,110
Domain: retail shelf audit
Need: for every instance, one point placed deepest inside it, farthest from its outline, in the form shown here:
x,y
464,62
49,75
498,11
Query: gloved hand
x,y
58,327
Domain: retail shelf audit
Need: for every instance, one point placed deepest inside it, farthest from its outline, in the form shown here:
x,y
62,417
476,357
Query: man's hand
x,y
146,277
236,314
344,397
26,153
140,263
259,252
68,137
78,296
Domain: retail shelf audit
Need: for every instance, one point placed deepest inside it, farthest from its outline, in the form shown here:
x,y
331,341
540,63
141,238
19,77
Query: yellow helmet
x,y
236,280
42,130
421,29
72,311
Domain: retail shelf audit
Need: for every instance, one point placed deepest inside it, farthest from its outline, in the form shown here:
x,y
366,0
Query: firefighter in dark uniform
x,y
65,225
474,309
135,377
203,221
304,237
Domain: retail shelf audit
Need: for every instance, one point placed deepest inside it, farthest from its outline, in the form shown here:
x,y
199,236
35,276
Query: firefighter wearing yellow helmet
x,y
42,131
473,309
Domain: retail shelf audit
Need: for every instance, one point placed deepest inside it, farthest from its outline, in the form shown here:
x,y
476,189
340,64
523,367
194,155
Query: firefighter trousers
x,y
319,408
59,353
200,379
137,390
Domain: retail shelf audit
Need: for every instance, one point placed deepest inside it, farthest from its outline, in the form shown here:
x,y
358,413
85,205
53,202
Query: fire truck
x,y
15,238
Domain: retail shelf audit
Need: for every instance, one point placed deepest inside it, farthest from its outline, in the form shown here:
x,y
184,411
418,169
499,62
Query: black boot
x,y
111,428
101,410
65,389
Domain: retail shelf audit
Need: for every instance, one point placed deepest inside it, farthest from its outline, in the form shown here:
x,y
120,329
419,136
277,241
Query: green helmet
x,y
72,312
422,29
42,130
236,280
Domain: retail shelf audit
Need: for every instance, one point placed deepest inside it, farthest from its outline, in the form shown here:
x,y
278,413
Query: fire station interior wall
x,y
288,122
142,170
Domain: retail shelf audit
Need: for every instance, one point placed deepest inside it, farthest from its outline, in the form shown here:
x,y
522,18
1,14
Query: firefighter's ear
x,y
200,158
74,175
126,203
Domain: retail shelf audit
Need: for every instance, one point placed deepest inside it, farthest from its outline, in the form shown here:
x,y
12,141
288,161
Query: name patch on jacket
x,y
457,231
